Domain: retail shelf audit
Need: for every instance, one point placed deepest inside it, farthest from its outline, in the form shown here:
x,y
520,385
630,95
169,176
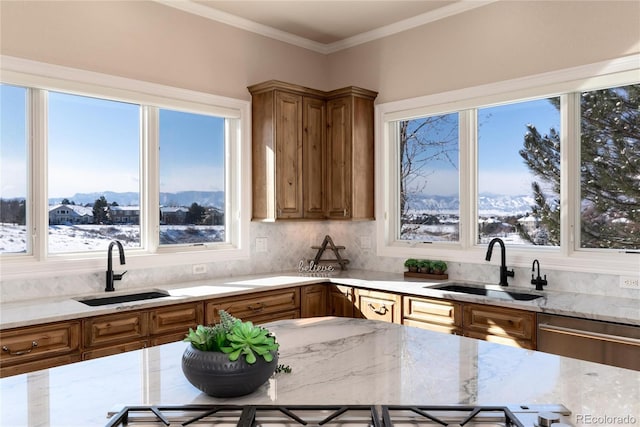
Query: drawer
x,y
39,342
175,319
379,306
104,330
114,349
498,321
259,304
453,330
439,312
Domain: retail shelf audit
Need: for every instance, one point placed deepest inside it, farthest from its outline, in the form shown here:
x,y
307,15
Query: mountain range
x,y
489,204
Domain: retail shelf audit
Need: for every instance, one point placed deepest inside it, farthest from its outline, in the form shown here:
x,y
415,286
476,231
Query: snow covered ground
x,y
82,238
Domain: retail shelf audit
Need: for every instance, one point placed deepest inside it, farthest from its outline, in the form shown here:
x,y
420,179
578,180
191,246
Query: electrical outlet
x,y
365,242
261,244
630,282
199,268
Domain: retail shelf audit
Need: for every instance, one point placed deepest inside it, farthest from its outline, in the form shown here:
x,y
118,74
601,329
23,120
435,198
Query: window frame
x,y
40,78
567,84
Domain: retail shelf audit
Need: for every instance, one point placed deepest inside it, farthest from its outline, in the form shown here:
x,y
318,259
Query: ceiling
x,y
326,26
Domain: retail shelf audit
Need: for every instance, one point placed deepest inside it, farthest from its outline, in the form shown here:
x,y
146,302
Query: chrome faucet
x,y
110,275
504,273
538,281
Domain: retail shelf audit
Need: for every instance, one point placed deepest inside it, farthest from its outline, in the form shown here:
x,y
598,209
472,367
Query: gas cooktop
x,y
341,415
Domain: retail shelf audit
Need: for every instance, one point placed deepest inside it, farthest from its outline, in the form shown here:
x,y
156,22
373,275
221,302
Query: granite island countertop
x,y
606,308
334,361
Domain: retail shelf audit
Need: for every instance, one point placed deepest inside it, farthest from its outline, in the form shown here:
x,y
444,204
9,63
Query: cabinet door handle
x,y
256,307
34,344
381,311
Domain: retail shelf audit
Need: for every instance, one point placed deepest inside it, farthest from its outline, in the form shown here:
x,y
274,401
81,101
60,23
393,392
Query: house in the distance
x,y
124,214
70,214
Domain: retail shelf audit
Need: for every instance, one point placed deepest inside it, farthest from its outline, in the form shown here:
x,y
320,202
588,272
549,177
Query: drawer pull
x,y
256,307
381,311
34,344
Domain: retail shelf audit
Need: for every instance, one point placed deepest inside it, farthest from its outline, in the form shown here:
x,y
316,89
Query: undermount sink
x,y
116,299
491,293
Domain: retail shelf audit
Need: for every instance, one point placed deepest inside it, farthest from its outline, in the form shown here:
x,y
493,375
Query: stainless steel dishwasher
x,y
603,342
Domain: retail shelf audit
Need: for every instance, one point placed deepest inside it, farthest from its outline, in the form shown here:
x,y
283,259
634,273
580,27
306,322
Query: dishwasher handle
x,y
589,335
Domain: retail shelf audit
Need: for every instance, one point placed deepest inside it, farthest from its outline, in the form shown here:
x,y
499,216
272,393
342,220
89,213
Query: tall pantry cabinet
x,y
312,152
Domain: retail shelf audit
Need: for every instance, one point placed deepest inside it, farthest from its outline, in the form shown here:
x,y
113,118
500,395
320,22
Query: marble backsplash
x,y
287,243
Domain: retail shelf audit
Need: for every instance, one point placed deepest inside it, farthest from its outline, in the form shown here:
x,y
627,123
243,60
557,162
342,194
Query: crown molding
x,y
190,6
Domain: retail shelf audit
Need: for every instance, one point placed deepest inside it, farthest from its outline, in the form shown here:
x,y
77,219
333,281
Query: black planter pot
x,y
213,373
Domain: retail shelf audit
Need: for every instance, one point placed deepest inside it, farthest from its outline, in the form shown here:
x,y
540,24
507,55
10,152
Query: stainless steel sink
x,y
484,291
116,299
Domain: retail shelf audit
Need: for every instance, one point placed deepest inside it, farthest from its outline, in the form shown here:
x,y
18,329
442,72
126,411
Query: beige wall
x,y
501,41
148,41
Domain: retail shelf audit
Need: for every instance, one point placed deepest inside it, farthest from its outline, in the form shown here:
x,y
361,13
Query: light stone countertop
x,y
25,313
334,361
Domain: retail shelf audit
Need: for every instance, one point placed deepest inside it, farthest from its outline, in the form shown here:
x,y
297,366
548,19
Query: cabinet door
x,y
498,324
313,153
258,307
174,321
339,158
313,301
379,306
39,347
288,164
341,301
433,314
116,328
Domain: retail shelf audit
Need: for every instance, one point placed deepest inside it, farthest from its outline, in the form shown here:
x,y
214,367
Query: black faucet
x,y
110,275
538,281
504,273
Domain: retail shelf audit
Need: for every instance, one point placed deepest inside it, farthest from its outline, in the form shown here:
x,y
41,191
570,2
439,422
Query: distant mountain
x,y
488,204
181,198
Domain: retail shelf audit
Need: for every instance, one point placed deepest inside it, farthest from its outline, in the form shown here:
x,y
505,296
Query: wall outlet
x,y
630,282
199,268
365,242
261,244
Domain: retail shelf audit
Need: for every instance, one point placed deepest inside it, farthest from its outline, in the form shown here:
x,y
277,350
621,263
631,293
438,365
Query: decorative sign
x,y
312,267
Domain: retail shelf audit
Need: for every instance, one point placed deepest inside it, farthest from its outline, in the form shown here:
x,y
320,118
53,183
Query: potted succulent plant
x,y
424,266
439,267
411,264
230,358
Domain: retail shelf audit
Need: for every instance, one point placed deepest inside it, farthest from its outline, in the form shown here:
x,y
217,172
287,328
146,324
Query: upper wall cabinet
x,y
312,152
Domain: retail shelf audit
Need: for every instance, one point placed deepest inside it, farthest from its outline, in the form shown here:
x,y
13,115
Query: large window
x,y
114,158
13,169
551,165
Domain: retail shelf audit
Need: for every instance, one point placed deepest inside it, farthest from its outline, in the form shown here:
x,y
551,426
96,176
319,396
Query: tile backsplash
x,y
289,242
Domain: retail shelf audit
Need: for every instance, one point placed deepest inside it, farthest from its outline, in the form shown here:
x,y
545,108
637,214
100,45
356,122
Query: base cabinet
x,y
341,301
258,307
378,305
313,300
501,325
433,314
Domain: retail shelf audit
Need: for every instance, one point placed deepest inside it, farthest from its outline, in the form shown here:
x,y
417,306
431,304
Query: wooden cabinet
x,y
39,347
498,324
378,305
312,153
341,301
313,300
433,314
169,324
350,161
259,307
114,333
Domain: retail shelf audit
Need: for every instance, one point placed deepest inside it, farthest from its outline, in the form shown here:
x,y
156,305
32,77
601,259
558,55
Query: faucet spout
x,y
538,281
110,274
504,272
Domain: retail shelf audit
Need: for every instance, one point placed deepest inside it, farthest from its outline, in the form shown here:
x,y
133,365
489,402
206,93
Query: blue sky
x,y
500,137
94,147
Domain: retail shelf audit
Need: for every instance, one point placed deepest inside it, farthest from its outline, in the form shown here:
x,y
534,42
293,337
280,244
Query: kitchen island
x,y
334,361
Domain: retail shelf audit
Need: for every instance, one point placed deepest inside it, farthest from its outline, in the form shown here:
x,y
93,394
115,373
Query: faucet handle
x,y
119,276
511,273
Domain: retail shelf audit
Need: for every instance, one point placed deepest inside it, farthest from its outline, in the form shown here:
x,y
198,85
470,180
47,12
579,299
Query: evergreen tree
x,y
610,170
99,210
195,214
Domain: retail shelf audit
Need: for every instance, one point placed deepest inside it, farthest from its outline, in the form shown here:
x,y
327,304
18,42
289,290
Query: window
x,y
192,178
610,168
94,173
550,163
13,169
111,156
519,173
429,194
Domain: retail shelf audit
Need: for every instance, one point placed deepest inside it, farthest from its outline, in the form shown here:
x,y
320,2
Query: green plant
x,y
424,265
411,262
439,266
234,337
